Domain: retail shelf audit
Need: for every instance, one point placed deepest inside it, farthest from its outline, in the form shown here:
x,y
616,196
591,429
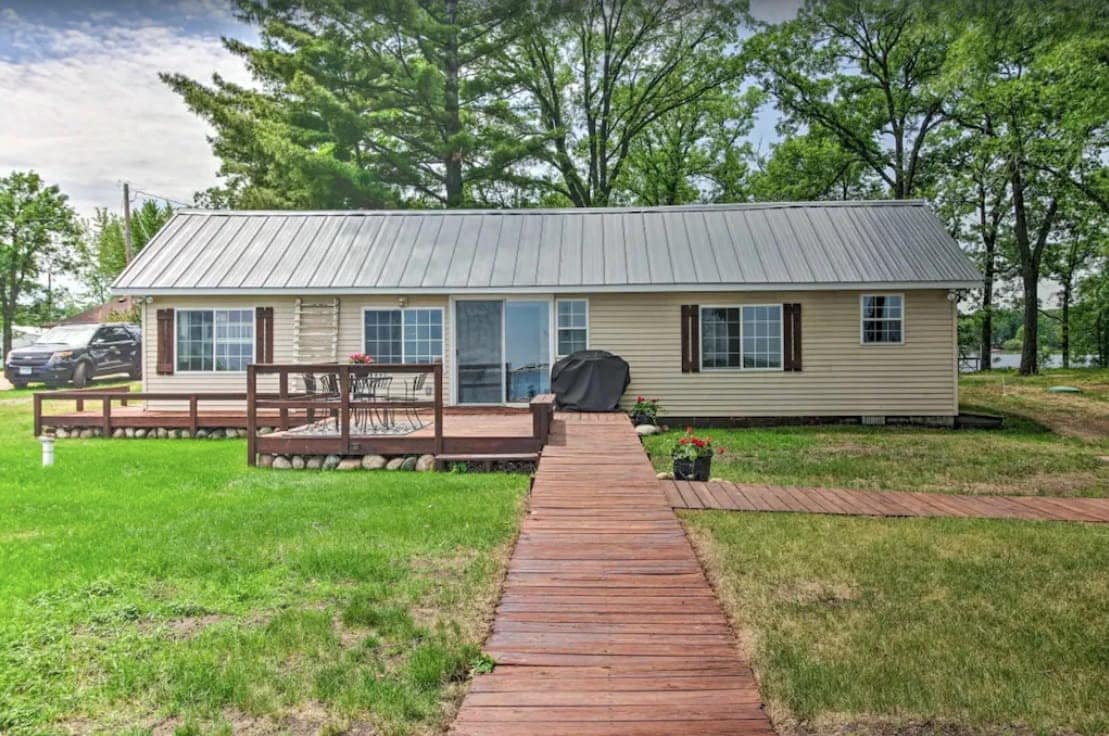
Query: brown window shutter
x,y
691,338
795,325
787,337
164,363
263,335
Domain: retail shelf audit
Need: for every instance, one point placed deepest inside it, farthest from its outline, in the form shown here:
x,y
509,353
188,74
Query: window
x,y
215,339
720,337
882,318
762,337
573,326
404,335
747,337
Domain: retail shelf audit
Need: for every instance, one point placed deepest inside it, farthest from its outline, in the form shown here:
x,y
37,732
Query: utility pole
x,y
127,249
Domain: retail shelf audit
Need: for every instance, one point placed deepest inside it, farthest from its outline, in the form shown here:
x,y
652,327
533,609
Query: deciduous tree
x,y
38,229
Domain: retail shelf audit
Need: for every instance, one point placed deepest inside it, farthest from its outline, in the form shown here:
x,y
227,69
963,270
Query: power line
x,y
152,195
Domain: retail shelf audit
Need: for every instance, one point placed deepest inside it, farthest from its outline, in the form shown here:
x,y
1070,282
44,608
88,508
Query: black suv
x,y
77,353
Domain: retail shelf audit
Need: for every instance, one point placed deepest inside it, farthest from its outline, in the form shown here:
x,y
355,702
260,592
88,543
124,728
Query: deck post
x,y
194,419
251,419
344,408
437,374
80,404
38,415
284,393
107,410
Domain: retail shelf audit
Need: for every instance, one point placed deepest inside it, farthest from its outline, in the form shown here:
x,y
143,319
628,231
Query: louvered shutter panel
x,y
164,363
691,338
263,335
791,336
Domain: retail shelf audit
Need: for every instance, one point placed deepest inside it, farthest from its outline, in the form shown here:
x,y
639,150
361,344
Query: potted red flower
x,y
692,457
644,411
361,359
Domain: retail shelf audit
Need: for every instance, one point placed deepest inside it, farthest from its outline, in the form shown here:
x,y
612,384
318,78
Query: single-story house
x,y
821,309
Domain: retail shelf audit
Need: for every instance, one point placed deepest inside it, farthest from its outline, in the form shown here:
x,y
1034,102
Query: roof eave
x,y
556,289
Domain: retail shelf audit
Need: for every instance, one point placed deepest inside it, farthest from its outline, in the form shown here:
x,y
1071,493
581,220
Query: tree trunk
x,y
985,357
1029,353
1065,336
9,317
453,162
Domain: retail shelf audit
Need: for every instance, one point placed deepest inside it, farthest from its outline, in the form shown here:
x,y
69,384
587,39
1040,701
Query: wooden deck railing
x,y
123,395
340,406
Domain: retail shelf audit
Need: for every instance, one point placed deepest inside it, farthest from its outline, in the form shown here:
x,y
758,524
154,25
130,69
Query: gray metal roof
x,y
712,247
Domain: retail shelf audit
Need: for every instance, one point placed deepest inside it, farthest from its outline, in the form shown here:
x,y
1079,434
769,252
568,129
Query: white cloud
x,y
84,107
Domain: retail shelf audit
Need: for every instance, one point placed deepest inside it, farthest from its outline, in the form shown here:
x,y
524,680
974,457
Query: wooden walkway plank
x,y
607,625
728,496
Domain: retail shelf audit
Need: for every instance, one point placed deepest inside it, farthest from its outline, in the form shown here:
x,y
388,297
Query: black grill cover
x,y
590,380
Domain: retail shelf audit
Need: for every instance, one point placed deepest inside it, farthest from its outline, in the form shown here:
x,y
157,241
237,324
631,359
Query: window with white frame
x,y
573,326
745,337
882,319
215,339
412,335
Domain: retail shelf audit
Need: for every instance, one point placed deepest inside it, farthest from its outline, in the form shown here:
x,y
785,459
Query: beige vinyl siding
x,y
841,376
284,307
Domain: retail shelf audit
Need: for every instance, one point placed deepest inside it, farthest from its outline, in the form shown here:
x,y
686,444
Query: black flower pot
x,y
698,469
638,419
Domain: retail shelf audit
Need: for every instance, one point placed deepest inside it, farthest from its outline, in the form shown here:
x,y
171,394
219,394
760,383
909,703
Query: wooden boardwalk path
x,y
753,497
607,625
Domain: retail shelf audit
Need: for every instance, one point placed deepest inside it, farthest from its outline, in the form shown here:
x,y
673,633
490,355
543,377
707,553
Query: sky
x,y
81,102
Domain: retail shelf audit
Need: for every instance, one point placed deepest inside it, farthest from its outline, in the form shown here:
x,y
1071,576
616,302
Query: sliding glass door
x,y
503,349
527,346
480,363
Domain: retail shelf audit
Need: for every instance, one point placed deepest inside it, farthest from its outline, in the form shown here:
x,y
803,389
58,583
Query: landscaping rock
x,y
373,462
665,476
331,462
265,461
215,434
394,464
117,433
61,433
162,433
314,463
349,463
140,434
281,463
646,429
409,463
129,432
298,462
201,434
85,434
426,463
264,430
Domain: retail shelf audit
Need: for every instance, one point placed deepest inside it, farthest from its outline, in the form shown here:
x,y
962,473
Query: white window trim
x,y
862,320
701,339
403,351
253,309
555,352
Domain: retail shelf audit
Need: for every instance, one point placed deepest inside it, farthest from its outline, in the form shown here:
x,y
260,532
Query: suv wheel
x,y
81,375
19,384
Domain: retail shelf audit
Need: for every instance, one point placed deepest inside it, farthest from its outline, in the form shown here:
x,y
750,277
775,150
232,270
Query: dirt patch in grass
x,y
1060,484
813,592
888,727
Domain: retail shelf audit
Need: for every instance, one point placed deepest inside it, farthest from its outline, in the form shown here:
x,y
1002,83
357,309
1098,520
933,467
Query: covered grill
x,y
590,380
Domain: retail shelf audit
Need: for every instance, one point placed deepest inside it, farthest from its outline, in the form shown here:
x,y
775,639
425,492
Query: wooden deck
x,y
753,497
607,624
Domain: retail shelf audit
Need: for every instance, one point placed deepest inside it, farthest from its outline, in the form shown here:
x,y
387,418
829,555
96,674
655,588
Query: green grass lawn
x,y
1052,445
161,585
865,626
